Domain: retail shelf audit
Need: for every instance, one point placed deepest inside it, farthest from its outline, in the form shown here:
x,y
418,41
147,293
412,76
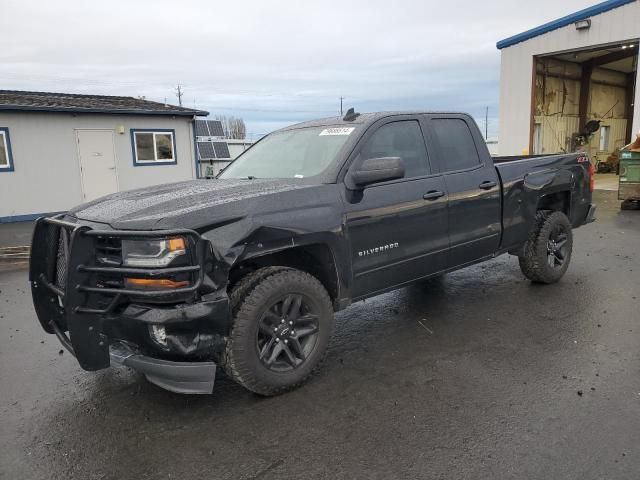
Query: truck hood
x,y
192,204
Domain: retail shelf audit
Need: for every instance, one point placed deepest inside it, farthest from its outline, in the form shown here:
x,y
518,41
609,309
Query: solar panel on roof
x,y
201,128
222,150
205,149
215,128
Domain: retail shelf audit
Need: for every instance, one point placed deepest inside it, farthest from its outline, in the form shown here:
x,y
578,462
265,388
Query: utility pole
x,y
341,98
179,94
486,124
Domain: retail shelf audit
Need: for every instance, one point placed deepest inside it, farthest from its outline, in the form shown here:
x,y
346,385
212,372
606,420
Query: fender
x,y
263,244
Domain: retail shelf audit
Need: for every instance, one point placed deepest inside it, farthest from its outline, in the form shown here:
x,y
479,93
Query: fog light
x,y
158,334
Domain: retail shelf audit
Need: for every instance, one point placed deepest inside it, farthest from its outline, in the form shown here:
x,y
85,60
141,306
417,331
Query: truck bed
x,y
515,158
524,177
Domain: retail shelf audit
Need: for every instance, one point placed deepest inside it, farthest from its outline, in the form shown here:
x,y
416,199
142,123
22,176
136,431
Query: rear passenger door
x,y
473,186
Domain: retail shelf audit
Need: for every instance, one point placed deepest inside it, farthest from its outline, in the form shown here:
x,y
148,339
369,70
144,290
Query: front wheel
x,y
547,252
280,332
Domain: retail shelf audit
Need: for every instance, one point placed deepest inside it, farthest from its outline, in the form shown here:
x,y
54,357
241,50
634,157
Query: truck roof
x,y
362,119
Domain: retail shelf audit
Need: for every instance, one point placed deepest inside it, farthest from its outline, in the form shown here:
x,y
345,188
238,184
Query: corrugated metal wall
x,y
555,133
557,106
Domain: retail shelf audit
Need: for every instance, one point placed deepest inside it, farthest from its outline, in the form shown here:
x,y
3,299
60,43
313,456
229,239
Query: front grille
x,y
109,253
109,250
61,260
58,244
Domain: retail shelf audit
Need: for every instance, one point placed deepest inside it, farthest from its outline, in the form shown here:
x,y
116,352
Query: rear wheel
x,y
547,253
281,329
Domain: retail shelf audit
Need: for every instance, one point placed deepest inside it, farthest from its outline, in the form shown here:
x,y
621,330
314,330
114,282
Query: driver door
x,y
397,230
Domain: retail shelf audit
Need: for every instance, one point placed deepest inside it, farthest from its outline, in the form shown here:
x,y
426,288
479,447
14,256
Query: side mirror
x,y
373,170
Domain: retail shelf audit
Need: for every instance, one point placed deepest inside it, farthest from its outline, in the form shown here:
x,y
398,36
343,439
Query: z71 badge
x,y
380,249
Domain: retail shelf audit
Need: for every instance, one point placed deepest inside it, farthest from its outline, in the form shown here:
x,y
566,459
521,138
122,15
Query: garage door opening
x,y
578,91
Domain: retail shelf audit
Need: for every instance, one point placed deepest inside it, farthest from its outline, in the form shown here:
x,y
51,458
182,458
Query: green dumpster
x,y
629,181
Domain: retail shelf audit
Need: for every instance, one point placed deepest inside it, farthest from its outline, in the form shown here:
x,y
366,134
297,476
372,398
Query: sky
x,y
272,63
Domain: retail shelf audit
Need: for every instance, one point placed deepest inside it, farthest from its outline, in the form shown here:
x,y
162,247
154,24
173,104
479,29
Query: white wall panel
x,y
45,158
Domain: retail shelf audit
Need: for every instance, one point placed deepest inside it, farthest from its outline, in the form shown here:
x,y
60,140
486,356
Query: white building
x,y
560,75
493,146
60,150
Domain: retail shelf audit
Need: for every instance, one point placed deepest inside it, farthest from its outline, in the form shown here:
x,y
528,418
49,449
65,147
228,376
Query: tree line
x,y
234,128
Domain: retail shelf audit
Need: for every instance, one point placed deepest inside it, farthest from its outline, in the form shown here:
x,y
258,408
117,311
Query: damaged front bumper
x,y
84,301
179,377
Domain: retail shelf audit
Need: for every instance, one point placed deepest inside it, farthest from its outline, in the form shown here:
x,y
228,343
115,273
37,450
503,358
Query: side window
x,y
153,147
456,148
6,162
400,139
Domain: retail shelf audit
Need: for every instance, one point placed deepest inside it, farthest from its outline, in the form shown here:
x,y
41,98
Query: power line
x,y
486,123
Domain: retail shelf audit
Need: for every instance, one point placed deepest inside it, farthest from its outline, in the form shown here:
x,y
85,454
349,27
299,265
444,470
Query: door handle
x,y
433,194
487,184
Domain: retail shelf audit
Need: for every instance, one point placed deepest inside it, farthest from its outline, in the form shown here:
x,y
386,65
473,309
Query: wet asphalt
x,y
477,375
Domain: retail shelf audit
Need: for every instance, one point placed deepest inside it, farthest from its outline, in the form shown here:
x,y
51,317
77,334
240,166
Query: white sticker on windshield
x,y
337,131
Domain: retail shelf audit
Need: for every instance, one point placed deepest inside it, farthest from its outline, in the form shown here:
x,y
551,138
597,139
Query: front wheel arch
x,y
316,259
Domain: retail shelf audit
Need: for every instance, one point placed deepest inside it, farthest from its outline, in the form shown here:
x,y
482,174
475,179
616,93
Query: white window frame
x,y
156,161
6,144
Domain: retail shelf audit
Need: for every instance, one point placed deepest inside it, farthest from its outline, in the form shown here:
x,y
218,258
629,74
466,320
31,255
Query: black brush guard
x,y
67,296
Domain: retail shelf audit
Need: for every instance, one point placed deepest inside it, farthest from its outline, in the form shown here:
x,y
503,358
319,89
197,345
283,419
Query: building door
x,y
97,163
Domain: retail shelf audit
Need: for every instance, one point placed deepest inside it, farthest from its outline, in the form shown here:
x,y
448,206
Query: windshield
x,y
290,154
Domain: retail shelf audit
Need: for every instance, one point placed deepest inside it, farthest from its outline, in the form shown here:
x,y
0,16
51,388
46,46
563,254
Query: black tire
x,y
547,252
263,352
247,283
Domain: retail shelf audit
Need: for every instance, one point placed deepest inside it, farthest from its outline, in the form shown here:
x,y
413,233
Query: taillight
x,y
592,180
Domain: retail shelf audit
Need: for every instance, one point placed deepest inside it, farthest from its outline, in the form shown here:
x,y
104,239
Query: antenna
x,y
351,115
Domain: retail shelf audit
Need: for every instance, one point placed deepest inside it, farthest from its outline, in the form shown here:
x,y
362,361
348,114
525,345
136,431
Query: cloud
x,y
271,62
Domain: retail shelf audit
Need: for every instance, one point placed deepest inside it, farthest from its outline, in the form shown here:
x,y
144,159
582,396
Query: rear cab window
x,y
454,143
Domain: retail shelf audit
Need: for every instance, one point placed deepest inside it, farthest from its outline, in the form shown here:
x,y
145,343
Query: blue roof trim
x,y
562,22
26,218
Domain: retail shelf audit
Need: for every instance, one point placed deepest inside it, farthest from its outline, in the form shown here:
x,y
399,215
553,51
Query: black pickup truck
x,y
246,271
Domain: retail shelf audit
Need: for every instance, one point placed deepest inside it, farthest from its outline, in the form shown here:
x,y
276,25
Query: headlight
x,y
153,252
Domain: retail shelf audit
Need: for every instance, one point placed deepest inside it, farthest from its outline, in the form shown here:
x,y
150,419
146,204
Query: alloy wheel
x,y
287,333
557,247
